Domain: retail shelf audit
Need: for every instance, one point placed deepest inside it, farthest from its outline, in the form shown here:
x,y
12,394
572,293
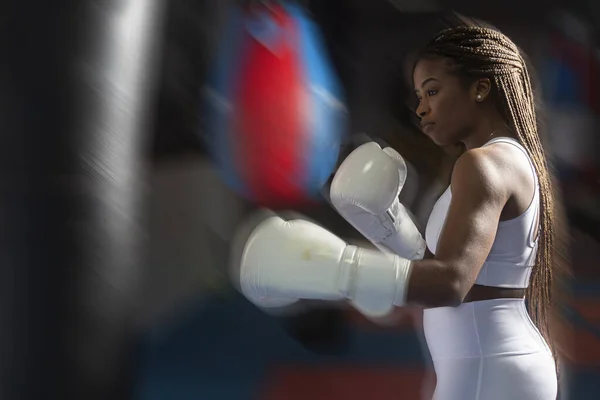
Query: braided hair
x,y
473,52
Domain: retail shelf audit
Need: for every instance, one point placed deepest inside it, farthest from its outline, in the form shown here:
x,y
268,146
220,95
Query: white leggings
x,y
516,377
489,350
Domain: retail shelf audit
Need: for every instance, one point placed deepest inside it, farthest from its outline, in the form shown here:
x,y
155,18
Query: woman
x,y
473,87
490,237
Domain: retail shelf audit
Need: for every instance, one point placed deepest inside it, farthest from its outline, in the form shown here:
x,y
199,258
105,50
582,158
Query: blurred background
x,y
188,334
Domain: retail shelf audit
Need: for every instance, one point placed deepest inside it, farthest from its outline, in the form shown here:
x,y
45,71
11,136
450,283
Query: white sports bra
x,y
514,251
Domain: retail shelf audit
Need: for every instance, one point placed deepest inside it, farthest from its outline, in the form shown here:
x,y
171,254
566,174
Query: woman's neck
x,y
485,131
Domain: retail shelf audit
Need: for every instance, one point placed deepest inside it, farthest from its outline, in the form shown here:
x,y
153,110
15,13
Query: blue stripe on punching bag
x,y
219,102
326,122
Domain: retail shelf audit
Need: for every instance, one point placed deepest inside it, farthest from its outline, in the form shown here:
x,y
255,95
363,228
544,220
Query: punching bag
x,y
72,196
275,115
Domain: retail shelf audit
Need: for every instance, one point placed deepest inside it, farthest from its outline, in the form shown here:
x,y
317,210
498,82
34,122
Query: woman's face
x,y
446,106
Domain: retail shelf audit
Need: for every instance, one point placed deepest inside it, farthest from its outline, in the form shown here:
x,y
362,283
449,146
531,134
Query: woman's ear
x,y
481,89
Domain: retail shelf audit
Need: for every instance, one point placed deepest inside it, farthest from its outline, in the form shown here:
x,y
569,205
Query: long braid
x,y
483,52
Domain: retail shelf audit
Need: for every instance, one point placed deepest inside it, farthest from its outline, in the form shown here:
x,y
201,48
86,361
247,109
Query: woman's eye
x,y
431,92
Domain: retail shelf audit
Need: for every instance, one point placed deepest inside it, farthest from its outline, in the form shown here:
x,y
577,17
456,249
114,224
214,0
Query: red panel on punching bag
x,y
275,115
272,94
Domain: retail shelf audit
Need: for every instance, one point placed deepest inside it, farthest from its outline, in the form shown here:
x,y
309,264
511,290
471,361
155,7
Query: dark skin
x,y
488,186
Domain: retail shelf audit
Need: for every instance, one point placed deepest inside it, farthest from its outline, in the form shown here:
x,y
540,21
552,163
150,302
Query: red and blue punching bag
x,y
274,108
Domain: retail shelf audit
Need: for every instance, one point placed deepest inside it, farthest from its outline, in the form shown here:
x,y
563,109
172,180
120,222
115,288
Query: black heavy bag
x,y
74,88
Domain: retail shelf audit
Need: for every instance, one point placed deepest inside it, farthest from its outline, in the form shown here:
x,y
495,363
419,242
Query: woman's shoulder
x,y
481,162
481,170
495,158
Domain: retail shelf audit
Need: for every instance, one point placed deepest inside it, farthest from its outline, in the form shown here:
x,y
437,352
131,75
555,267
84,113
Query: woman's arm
x,y
478,198
283,261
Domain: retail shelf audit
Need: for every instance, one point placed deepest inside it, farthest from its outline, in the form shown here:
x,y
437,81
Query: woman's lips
x,y
427,128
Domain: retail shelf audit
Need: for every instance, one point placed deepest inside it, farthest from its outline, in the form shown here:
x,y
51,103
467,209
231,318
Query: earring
x,y
479,97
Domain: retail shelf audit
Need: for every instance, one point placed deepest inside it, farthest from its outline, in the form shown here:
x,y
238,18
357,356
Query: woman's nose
x,y
421,110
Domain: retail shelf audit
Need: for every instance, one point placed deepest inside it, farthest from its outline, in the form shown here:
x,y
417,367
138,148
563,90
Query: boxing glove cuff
x,y
404,238
374,282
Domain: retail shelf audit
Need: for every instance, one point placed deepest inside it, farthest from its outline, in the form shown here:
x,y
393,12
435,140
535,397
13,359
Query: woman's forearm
x,y
432,283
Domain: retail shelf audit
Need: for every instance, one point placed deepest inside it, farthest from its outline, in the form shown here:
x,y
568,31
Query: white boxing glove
x,y
276,262
365,192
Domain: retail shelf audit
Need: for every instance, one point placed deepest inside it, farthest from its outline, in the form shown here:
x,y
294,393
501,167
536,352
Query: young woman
x,y
489,242
493,223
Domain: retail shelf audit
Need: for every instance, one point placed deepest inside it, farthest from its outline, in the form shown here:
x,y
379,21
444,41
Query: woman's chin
x,y
443,141
439,141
